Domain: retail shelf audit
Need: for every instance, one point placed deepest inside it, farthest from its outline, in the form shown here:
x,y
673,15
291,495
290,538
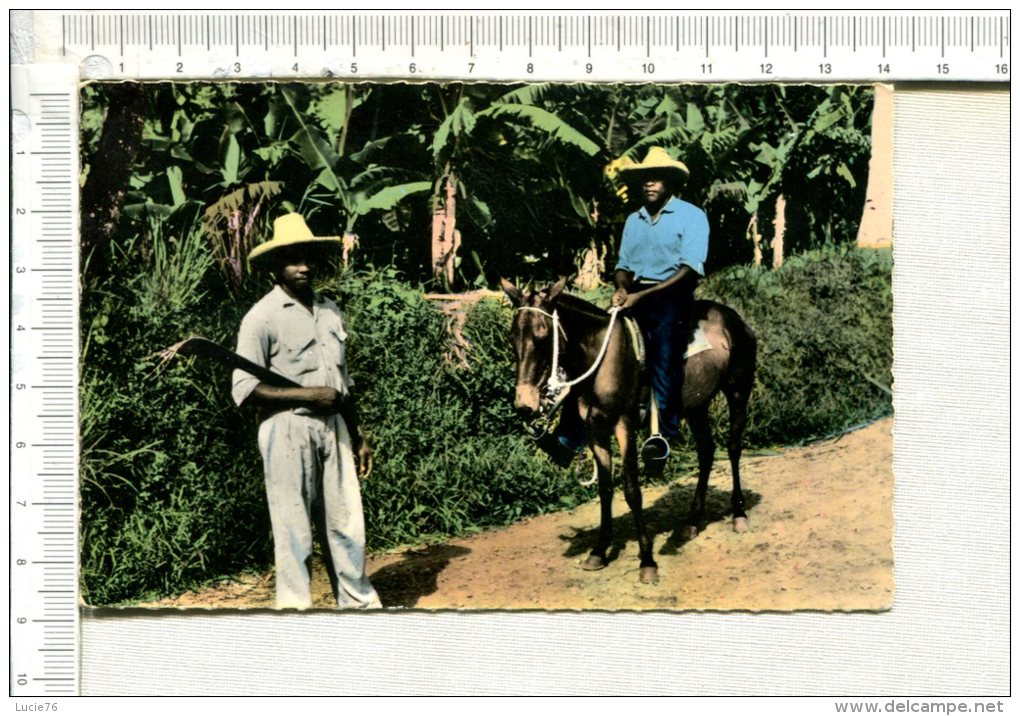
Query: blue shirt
x,y
655,250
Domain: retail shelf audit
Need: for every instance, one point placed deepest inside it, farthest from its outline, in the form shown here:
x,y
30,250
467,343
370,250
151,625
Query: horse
x,y
611,396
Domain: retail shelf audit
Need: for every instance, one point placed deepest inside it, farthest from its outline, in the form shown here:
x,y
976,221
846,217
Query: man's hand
x,y
363,456
323,400
623,299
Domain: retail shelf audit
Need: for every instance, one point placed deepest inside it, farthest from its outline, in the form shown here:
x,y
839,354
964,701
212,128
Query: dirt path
x,y
820,537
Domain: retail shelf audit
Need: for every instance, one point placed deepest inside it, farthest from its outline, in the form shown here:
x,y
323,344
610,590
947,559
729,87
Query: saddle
x,y
699,341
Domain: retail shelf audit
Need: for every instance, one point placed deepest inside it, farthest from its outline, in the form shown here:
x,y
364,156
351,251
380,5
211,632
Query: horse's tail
x,y
743,353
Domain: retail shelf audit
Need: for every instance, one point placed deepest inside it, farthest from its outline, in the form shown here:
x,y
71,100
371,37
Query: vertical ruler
x,y
44,306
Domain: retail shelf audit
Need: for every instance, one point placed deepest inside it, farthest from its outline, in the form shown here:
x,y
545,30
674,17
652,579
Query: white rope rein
x,y
554,380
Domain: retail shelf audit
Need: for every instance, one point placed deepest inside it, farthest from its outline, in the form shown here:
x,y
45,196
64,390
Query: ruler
x,y
44,278
600,47
52,51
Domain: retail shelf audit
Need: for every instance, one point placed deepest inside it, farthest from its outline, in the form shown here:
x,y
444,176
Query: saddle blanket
x,y
699,341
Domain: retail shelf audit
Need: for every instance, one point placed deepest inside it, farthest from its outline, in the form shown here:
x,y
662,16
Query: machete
x,y
199,346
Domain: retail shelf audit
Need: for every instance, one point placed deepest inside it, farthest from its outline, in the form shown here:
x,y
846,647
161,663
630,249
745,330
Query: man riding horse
x,y
662,258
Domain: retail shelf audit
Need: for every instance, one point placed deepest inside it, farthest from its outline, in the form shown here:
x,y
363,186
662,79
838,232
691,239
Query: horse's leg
x,y
649,573
702,432
737,401
599,444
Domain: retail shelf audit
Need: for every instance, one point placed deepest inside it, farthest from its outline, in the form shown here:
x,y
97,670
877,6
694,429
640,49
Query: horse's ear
x,y
512,292
556,289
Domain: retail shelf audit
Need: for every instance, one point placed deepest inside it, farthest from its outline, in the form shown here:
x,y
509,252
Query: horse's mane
x,y
579,305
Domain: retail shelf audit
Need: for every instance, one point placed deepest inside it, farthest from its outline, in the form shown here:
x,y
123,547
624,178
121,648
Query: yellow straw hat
x,y
657,160
291,230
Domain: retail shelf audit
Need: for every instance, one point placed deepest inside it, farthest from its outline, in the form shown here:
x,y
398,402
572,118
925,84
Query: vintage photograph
x,y
480,346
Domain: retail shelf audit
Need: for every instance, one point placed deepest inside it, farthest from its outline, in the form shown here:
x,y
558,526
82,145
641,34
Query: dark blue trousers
x,y
664,320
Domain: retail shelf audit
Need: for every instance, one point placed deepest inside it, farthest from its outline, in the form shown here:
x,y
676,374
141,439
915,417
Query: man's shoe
x,y
558,449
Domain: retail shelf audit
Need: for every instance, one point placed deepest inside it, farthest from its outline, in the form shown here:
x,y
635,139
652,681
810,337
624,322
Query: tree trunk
x,y
876,227
755,237
445,237
780,232
110,170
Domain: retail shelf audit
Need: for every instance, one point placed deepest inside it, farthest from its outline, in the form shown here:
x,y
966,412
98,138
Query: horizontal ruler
x,y
651,47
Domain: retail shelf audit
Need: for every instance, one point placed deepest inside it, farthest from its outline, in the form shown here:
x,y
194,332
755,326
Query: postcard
x,y
480,346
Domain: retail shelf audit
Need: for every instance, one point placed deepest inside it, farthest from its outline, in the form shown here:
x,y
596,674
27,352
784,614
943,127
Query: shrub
x,y
824,328
171,489
450,455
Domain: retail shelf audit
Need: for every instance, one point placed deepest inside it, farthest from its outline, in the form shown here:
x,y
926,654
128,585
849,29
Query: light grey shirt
x,y
280,334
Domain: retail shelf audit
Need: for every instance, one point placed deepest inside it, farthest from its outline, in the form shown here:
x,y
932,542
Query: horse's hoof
x,y
649,575
740,525
593,563
689,532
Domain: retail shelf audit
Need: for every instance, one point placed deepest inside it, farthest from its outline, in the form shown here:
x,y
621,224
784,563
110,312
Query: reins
x,y
558,388
555,383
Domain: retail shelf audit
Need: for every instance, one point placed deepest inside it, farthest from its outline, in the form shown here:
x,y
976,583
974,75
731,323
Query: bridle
x,y
557,386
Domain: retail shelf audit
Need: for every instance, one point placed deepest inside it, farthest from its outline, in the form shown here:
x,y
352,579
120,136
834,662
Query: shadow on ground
x,y
415,576
667,515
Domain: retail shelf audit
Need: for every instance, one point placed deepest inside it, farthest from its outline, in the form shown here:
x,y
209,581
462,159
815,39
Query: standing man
x,y
662,258
311,444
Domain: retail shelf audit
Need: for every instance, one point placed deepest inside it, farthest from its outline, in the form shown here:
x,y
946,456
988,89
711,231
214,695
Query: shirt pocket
x,y
335,345
298,354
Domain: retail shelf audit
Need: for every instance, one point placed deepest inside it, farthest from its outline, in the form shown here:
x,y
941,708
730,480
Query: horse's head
x,y
532,332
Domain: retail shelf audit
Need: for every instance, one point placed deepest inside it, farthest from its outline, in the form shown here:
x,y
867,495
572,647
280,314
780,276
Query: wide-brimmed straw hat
x,y
657,160
288,231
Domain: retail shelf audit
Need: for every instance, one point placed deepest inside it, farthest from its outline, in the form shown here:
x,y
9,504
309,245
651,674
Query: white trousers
x,y
311,478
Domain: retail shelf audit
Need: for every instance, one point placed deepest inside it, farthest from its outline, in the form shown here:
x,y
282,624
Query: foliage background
x,y
171,479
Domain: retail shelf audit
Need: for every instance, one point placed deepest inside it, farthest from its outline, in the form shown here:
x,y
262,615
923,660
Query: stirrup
x,y
654,452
